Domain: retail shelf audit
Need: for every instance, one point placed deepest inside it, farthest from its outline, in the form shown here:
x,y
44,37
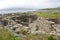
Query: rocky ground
x,y
22,24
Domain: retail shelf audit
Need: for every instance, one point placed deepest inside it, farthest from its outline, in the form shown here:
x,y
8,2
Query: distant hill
x,y
49,10
15,9
58,8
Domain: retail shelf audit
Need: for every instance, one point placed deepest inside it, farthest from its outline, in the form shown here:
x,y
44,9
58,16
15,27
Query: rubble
x,y
30,23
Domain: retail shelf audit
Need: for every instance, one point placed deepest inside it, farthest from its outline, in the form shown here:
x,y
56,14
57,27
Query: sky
x,y
36,4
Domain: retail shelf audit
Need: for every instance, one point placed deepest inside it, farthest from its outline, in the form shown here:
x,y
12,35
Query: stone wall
x,y
25,19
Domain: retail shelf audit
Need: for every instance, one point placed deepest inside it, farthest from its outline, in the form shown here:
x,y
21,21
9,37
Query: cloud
x,y
29,3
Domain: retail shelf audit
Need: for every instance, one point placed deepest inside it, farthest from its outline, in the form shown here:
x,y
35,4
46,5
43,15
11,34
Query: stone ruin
x,y
25,19
30,23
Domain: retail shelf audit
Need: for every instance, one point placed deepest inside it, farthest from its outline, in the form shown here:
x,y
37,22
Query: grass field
x,y
48,15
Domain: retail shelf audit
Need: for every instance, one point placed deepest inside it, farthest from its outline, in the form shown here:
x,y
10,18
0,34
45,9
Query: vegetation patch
x,y
6,35
48,15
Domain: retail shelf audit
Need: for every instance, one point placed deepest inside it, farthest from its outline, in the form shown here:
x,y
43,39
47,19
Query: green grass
x,y
6,35
41,37
48,15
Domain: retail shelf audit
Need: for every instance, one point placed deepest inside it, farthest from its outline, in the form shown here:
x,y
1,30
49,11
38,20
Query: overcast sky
x,y
29,3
